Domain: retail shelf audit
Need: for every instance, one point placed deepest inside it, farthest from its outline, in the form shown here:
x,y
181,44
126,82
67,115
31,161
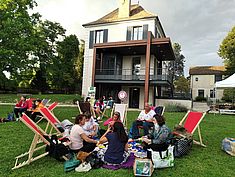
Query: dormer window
x,y
137,33
99,36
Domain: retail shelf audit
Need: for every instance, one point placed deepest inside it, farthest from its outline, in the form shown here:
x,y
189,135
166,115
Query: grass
x,y
61,98
15,139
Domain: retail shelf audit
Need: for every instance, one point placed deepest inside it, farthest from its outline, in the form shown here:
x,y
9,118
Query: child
x,y
91,127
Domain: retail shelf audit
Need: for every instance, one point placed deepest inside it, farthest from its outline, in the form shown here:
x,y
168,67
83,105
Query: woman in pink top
x,y
112,120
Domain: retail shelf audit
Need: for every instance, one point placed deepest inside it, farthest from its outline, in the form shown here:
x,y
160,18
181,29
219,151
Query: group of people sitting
x,y
23,106
156,135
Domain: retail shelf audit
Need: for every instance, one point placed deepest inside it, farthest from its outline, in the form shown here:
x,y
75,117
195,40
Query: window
x,y
201,93
218,78
99,36
212,93
137,33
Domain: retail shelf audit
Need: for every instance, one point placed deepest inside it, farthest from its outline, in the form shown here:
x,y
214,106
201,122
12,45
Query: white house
x,y
125,50
203,80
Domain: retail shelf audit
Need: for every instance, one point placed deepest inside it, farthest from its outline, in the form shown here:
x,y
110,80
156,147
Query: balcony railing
x,y
131,75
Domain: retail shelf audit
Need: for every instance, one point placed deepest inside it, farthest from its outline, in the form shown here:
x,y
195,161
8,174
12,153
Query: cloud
x,y
198,26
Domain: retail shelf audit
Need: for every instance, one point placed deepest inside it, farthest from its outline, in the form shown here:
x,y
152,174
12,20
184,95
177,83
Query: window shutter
x,y
91,39
128,33
145,31
105,37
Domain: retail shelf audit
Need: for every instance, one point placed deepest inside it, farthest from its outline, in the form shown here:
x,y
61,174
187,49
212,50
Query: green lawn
x,y
15,139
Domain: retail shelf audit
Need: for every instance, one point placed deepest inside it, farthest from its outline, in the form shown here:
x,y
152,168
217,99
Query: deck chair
x,y
45,101
38,143
52,106
85,107
159,110
122,109
52,120
191,122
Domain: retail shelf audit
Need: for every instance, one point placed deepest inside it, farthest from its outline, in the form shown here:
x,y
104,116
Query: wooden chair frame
x,y
123,113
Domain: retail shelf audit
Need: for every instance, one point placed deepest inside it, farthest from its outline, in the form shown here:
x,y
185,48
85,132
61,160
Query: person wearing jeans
x,y
20,107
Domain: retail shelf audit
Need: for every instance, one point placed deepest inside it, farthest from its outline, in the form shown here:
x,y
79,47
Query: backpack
x,y
55,149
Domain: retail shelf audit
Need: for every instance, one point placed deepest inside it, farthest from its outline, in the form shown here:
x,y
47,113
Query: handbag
x,y
163,159
71,164
228,145
182,146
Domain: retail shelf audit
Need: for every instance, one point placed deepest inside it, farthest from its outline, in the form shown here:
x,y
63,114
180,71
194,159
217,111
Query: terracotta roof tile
x,y
137,12
206,70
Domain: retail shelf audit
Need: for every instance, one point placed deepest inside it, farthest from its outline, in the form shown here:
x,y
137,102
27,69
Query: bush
x,y
175,108
201,99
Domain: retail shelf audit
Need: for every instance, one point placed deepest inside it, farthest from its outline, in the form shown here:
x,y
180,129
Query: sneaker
x,y
83,167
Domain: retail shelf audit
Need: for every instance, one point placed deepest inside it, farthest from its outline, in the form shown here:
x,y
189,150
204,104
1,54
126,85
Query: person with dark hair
x,y
79,140
112,120
117,151
90,127
157,140
36,109
20,107
99,108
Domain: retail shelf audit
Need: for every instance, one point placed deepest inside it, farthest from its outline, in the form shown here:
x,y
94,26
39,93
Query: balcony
x,y
131,76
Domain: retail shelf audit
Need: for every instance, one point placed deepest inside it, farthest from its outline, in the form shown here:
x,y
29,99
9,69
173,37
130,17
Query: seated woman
x,y
20,107
36,109
112,120
117,152
144,119
90,127
79,140
158,139
99,108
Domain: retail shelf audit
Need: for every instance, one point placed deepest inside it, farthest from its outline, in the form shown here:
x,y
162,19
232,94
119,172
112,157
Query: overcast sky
x,y
199,26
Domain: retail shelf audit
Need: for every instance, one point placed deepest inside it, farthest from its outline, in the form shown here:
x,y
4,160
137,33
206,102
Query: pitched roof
x,y
136,12
206,70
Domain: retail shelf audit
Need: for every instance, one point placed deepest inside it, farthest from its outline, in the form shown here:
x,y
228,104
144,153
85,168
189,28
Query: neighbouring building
x,y
202,81
128,50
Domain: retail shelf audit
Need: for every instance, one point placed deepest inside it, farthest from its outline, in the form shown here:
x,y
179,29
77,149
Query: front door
x,y
134,97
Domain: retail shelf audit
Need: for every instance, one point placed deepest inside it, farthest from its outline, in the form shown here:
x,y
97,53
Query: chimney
x,y
124,8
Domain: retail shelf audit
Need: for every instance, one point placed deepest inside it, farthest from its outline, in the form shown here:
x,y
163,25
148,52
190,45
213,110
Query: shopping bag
x,y
143,167
228,145
163,159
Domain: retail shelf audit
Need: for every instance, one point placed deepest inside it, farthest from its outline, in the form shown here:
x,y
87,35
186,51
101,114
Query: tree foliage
x,y
182,84
176,68
227,51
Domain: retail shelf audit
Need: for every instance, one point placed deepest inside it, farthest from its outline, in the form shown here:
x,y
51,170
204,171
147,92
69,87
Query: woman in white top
x,y
90,127
144,119
79,140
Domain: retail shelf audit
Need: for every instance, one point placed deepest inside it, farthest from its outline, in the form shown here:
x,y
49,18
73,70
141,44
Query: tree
x,y
227,52
64,73
182,85
176,68
16,35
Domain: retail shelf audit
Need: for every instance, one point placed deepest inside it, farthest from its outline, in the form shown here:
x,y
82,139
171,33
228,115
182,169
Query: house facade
x,y
202,81
127,50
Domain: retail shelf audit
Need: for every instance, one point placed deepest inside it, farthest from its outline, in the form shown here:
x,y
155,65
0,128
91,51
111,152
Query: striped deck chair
x,y
122,109
38,143
52,120
191,122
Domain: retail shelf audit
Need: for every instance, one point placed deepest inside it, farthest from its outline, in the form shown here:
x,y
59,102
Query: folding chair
x,y
52,106
191,122
159,110
85,107
122,109
45,101
37,140
52,120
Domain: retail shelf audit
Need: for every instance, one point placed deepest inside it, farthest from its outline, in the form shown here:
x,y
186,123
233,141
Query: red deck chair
x,y
191,122
38,143
52,120
52,106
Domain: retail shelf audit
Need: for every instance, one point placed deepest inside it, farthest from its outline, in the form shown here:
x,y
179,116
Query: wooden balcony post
x,y
147,67
93,68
